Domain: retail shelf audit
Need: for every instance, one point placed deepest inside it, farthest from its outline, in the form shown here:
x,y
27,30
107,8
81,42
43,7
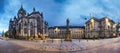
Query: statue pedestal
x,y
36,37
68,38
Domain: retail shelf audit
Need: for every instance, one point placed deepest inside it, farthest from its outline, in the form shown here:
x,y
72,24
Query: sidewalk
x,y
57,45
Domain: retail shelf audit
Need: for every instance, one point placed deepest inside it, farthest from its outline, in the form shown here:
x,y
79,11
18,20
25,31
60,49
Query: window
x,y
31,25
19,27
25,23
31,28
25,30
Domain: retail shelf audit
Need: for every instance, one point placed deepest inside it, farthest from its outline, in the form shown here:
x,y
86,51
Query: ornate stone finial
x,y
10,19
34,9
14,17
27,13
41,14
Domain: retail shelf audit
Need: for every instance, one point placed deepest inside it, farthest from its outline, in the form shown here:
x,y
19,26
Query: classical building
x,y
28,26
60,31
96,28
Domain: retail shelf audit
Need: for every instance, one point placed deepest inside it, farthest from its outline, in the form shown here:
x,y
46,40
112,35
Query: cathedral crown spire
x,y
21,6
21,11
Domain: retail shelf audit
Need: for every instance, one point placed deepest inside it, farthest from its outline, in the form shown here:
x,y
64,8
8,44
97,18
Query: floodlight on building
x,y
114,25
92,20
56,29
107,22
106,19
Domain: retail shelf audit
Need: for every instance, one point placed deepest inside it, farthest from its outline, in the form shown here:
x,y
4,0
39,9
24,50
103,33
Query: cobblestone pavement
x,y
6,46
57,45
109,48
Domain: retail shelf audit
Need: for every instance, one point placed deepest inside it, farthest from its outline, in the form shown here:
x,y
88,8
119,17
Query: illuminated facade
x,y
28,26
60,31
95,28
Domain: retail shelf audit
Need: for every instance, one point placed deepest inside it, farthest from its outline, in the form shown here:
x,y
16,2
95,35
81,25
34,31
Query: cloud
x,y
57,11
75,9
51,10
10,10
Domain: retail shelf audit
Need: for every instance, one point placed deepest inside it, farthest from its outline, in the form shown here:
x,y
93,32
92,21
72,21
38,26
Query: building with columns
x,y
100,28
60,31
28,26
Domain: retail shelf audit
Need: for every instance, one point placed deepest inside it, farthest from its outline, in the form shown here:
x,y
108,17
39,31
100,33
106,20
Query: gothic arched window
x,y
19,27
31,25
31,28
25,23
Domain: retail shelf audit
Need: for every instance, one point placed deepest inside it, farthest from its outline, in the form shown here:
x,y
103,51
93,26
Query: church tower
x,y
21,12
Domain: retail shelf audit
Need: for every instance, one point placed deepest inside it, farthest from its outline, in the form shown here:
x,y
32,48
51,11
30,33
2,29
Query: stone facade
x,y
28,26
96,28
60,31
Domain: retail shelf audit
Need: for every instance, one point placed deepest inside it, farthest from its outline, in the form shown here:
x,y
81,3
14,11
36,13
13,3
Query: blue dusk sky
x,y
57,11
